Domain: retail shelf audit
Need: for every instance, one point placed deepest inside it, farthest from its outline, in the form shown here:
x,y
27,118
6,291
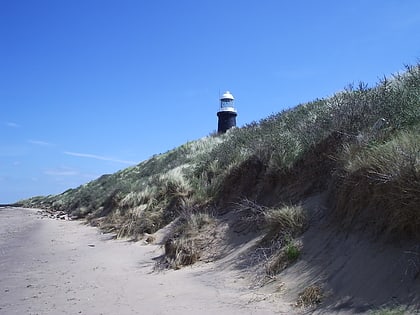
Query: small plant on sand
x,y
282,258
292,252
310,296
279,247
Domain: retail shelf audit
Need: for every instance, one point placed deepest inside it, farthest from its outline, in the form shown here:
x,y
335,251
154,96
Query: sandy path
x,y
63,267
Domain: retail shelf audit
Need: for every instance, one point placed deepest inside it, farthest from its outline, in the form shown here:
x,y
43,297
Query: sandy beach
x,y
65,267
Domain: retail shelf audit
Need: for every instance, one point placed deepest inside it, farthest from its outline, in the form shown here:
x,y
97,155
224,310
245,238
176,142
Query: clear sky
x,y
88,87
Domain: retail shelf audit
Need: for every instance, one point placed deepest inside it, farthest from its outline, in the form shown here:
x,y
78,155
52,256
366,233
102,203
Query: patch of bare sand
x,y
64,267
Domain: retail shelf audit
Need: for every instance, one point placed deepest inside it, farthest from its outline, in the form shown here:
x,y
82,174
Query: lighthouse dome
x,y
227,96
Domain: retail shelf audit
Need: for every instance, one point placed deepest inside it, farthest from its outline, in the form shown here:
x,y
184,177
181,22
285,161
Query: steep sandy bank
x,y
356,272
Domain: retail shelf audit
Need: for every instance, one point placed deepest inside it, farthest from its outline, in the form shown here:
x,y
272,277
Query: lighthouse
x,y
227,113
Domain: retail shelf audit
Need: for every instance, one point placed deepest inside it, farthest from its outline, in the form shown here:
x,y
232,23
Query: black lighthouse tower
x,y
227,113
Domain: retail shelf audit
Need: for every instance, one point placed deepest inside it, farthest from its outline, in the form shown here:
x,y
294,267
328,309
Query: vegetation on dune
x,y
281,226
311,296
361,146
384,182
189,240
136,200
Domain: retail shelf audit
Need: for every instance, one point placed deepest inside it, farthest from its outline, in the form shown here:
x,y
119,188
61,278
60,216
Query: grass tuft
x,y
279,248
181,252
287,220
310,296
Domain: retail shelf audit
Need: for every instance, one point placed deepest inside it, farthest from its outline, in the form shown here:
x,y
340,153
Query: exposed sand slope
x,y
355,273
358,274
64,267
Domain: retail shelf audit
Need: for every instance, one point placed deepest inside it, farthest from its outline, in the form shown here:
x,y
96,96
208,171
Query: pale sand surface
x,y
64,267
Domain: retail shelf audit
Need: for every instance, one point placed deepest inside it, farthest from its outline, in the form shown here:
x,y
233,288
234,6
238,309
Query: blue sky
x,y
88,87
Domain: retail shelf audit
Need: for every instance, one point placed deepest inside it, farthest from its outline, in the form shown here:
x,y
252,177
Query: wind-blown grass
x,y
381,184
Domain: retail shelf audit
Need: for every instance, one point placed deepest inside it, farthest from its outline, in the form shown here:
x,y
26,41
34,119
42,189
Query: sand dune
x,y
65,267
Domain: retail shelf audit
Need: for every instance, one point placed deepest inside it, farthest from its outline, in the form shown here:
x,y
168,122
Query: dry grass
x,y
135,225
310,296
250,213
378,187
182,252
279,247
288,220
189,240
